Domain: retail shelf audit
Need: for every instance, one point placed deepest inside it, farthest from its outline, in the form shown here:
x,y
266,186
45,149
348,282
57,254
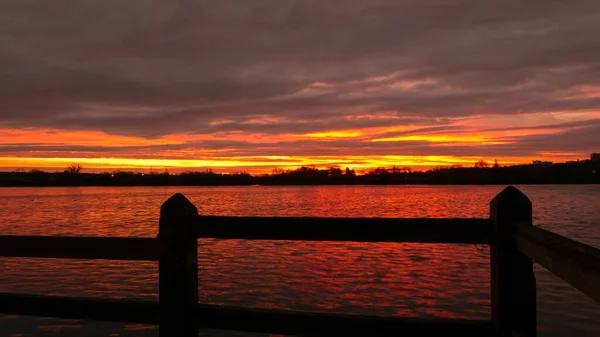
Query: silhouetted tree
x,y
496,165
482,164
350,173
74,168
380,171
334,171
277,170
395,169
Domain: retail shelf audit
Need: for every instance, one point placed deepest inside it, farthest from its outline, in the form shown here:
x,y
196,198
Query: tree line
x,y
584,172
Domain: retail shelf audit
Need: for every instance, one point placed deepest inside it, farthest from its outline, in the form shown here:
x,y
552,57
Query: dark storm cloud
x,y
589,122
149,68
420,131
316,125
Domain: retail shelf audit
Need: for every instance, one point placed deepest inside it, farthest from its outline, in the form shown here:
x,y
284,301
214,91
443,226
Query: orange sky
x,y
55,149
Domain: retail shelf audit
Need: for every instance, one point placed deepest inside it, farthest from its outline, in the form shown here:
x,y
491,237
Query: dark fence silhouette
x,y
514,245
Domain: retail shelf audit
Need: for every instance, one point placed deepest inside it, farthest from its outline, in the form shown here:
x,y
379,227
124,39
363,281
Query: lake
x,y
413,280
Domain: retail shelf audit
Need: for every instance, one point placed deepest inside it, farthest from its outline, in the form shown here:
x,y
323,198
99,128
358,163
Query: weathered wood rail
x,y
514,245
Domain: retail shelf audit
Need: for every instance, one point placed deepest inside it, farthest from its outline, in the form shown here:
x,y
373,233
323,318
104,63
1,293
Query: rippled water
x,y
415,280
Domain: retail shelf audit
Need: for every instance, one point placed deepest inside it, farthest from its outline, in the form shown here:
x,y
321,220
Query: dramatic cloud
x,y
275,82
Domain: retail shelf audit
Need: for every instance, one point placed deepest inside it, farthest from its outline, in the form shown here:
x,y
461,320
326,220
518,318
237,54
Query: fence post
x,y
177,268
512,279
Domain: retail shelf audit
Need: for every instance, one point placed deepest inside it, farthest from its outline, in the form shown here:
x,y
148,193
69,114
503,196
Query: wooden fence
x,y
514,245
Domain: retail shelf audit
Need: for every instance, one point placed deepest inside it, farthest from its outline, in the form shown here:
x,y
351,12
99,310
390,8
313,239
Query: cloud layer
x,y
255,79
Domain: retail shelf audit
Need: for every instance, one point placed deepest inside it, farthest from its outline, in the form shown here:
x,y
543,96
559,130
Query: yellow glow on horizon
x,y
252,164
335,134
95,150
441,139
354,133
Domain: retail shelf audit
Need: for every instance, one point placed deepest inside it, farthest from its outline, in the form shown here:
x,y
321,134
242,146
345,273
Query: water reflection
x,y
413,280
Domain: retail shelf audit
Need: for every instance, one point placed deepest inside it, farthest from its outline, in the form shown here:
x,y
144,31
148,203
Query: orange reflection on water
x,y
413,280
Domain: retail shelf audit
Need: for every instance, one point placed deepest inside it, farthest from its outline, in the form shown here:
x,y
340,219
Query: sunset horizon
x,y
360,165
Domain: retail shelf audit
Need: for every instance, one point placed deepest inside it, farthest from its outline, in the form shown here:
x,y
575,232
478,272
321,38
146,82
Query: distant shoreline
x,y
584,172
297,185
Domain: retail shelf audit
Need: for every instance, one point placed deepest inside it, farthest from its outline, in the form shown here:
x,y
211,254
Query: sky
x,y
255,85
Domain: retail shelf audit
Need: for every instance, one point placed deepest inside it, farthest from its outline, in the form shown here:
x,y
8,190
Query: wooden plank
x,y
241,319
143,312
576,263
324,324
177,268
108,248
424,230
512,279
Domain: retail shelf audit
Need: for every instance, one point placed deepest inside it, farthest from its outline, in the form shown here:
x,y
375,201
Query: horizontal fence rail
x,y
242,319
422,230
71,247
326,324
113,310
576,263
